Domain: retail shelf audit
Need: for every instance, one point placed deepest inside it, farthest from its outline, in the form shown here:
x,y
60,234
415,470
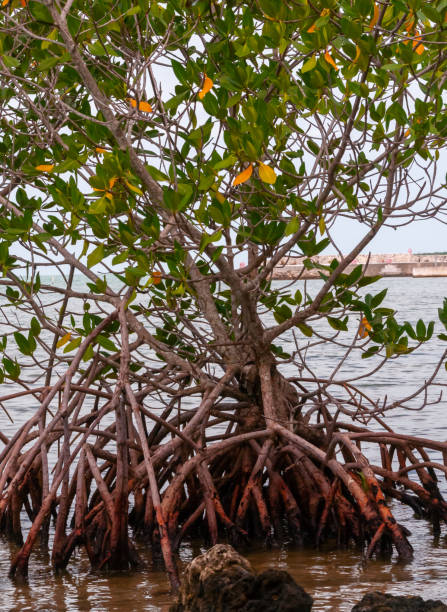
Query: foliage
x,y
337,109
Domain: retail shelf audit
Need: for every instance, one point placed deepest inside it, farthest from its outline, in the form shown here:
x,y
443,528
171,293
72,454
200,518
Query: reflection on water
x,y
339,579
336,579
79,589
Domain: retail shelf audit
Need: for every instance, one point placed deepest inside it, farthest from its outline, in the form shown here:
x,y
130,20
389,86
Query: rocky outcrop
x,y
381,602
221,580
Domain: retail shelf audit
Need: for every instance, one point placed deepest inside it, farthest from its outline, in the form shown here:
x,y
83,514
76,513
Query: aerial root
x,y
269,485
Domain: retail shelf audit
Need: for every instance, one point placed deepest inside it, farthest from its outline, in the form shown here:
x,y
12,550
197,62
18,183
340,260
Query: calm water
x,y
336,579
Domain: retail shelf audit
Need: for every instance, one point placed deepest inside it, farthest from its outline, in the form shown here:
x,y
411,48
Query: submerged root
x,y
273,483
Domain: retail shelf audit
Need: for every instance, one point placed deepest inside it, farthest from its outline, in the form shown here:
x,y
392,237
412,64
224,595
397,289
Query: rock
x,y
221,580
382,602
276,591
217,580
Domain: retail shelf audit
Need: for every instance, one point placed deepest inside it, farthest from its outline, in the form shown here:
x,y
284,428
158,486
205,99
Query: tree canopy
x,y
148,149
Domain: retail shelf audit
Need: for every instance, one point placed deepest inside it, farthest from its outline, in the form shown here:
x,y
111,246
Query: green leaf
x,y
216,214
106,343
430,11
35,326
305,329
233,100
354,276
99,206
50,62
97,48
378,298
10,62
338,324
420,329
396,112
12,368
157,174
206,182
282,313
95,256
51,37
309,64
22,343
208,239
292,226
176,201
88,353
368,280
226,162
134,10
73,345
133,276
39,11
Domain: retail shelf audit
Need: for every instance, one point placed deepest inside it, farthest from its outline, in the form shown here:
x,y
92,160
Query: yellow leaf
x,y
375,17
207,85
112,182
407,133
312,29
45,167
243,176
100,150
328,58
267,174
321,225
364,328
63,340
109,195
5,2
142,106
133,188
357,53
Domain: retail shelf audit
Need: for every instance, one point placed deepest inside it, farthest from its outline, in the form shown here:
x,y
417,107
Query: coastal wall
x,y
401,264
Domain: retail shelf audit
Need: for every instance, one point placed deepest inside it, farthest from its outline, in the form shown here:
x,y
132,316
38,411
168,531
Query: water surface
x,y
336,579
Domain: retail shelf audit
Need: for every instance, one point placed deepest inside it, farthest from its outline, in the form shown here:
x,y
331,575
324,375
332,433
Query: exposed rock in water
x,y
221,580
381,602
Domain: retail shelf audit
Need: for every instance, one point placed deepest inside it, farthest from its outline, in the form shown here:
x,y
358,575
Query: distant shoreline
x,y
397,264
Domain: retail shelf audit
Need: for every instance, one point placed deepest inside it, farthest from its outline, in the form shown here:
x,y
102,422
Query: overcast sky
x,y
427,236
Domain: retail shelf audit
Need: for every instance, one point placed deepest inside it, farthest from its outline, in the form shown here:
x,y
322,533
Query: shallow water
x,y
336,579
